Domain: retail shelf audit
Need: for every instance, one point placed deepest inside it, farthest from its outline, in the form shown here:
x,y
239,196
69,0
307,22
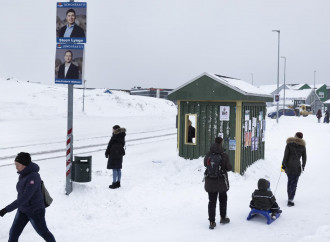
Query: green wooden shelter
x,y
212,105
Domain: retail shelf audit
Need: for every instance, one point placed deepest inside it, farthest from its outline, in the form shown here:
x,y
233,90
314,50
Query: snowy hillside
x,y
162,196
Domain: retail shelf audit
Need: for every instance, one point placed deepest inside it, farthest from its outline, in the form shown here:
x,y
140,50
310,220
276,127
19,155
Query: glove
x,y
106,155
3,212
282,168
303,168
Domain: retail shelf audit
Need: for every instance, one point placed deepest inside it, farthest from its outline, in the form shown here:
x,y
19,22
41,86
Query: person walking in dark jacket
x,y
29,203
115,152
326,117
294,150
263,198
319,115
217,186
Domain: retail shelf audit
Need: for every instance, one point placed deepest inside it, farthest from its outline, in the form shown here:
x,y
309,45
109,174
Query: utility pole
x,y
278,70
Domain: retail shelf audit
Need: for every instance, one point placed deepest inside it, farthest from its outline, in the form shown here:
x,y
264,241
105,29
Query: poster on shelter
x,y
247,115
224,113
232,144
247,139
255,144
254,122
71,22
258,130
69,64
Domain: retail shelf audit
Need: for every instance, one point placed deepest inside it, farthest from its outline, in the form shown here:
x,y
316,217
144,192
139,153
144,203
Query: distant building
x,y
151,92
299,86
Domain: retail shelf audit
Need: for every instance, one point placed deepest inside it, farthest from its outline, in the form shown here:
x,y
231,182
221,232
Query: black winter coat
x,y
115,150
220,184
29,196
294,150
77,32
262,198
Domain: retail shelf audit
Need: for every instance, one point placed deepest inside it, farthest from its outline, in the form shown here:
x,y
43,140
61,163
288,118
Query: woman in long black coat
x,y
115,152
294,150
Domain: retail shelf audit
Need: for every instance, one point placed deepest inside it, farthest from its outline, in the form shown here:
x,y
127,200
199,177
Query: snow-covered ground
x,y
162,196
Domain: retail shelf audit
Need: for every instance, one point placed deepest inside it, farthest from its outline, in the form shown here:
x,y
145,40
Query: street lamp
x,y
284,83
314,92
252,78
278,69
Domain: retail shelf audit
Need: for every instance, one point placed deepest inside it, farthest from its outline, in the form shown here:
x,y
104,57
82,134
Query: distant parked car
x,y
286,112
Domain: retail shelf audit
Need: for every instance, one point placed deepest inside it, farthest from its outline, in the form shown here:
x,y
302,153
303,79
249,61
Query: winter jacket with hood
x,y
263,198
29,197
220,184
294,150
115,150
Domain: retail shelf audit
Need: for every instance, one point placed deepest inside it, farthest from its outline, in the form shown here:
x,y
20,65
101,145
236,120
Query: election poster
x,y
69,64
71,22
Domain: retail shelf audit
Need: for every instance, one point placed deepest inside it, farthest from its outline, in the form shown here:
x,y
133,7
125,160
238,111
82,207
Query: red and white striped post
x,y
69,141
68,152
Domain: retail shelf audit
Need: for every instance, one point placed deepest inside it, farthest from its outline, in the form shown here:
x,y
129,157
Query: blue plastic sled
x,y
267,214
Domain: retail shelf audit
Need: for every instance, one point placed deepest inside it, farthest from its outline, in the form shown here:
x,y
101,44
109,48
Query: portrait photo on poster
x,y
69,64
71,22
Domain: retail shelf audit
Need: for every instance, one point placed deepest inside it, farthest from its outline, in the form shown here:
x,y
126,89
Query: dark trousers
x,y
38,222
292,186
213,204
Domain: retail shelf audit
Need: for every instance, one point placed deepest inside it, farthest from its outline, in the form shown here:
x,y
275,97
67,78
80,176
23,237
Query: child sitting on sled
x,y
263,198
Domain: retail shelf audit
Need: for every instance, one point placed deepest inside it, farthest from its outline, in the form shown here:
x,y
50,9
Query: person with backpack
x,y
291,164
217,165
30,202
115,152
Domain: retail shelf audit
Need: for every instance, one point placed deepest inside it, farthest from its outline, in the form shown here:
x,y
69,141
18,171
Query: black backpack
x,y
213,166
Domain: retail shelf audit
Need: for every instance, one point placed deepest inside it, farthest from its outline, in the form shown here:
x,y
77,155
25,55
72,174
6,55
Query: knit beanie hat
x,y
23,158
116,127
218,140
299,135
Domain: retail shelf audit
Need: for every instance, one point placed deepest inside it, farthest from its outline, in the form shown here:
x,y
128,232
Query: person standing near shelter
x,y
219,184
319,115
30,202
115,152
294,150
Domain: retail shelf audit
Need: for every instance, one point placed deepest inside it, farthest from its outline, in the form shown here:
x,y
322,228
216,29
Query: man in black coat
x,y
217,186
71,29
115,152
68,70
30,202
294,150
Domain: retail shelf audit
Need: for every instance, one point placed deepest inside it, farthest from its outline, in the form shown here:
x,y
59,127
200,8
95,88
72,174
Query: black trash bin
x,y
82,169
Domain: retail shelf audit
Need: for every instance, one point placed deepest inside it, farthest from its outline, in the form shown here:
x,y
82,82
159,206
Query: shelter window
x,y
190,129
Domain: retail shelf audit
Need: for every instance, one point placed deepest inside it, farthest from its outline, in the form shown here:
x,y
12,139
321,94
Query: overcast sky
x,y
165,43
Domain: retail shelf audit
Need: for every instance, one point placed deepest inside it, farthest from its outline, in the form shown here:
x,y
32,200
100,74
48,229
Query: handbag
x,y
47,198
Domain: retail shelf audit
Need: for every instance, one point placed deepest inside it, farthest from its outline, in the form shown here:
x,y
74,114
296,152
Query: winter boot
x,y
273,215
224,220
113,185
290,203
212,225
117,184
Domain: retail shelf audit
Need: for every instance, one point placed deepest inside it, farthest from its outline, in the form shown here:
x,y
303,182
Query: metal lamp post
x,y
284,83
252,78
278,69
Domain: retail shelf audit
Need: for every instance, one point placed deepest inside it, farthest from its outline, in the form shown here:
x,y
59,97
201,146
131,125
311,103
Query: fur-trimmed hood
x,y
295,140
120,130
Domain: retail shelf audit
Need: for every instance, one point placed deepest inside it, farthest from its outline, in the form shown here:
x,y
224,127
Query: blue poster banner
x,y
71,22
69,64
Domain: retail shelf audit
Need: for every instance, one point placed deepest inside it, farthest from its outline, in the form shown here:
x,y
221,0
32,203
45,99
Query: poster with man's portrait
x,y
69,60
71,22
